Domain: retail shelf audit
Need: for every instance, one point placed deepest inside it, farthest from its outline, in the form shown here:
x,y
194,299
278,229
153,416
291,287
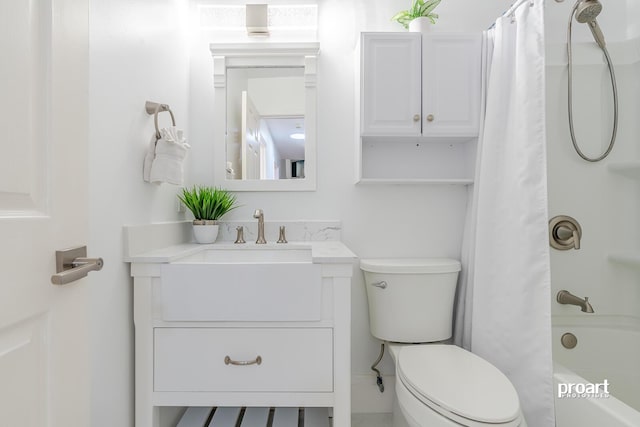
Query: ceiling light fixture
x,y
256,20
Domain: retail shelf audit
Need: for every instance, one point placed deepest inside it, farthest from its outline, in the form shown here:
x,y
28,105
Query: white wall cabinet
x,y
419,107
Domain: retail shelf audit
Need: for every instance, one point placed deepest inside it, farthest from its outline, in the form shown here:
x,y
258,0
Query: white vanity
x,y
239,325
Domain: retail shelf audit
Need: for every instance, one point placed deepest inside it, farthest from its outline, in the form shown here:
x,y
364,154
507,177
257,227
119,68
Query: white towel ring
x,y
155,108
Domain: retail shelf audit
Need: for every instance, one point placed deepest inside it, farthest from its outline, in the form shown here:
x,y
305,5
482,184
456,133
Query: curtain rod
x,y
513,8
516,5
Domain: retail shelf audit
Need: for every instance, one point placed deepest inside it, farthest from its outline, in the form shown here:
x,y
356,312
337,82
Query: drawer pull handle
x,y
229,361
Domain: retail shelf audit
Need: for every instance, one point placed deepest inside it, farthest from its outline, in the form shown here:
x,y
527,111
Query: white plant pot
x,y
420,25
205,231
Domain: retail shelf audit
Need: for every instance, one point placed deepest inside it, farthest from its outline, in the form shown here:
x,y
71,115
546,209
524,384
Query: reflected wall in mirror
x,y
265,137
264,123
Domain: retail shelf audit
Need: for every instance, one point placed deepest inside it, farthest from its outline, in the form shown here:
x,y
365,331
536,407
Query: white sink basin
x,y
243,283
249,255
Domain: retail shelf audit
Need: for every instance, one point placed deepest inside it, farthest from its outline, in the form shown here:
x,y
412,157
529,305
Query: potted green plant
x,y
208,205
419,16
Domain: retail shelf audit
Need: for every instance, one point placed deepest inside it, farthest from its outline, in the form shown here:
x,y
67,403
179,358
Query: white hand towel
x,y
148,158
171,149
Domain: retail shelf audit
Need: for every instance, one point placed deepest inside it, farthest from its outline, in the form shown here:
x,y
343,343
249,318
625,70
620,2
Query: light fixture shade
x,y
256,20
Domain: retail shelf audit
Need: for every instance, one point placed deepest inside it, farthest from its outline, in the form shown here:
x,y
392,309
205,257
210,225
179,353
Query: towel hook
x,y
155,108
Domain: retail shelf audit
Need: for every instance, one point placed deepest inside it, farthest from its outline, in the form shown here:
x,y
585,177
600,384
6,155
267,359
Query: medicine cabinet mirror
x,y
265,116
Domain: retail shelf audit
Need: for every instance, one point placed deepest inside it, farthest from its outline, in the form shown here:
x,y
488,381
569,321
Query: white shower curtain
x,y
504,298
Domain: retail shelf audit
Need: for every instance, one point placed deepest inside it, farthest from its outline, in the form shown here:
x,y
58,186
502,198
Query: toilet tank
x,y
411,300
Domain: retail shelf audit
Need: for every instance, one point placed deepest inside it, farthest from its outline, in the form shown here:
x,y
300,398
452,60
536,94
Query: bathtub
x,y
607,349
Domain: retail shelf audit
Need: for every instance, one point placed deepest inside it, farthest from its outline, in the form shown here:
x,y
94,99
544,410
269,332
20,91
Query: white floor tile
x,y
370,420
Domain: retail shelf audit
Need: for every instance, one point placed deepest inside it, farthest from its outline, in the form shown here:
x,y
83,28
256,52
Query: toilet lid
x,y
459,382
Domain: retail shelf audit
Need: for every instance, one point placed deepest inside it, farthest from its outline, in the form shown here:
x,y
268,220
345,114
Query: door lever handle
x,y
72,264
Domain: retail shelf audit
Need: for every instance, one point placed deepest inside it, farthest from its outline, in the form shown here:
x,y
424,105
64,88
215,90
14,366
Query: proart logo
x,y
583,390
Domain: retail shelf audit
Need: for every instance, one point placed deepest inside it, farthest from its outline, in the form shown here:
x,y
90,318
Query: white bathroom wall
x,y
283,96
137,53
378,221
606,204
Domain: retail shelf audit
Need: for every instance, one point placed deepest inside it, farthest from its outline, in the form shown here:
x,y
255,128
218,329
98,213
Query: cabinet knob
x,y
430,118
416,118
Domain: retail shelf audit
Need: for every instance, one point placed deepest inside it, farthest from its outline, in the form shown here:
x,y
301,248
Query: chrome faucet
x,y
566,297
260,216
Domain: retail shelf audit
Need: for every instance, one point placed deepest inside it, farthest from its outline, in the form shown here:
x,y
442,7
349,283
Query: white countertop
x,y
322,252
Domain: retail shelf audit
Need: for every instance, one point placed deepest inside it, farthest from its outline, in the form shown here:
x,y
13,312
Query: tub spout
x,y
566,297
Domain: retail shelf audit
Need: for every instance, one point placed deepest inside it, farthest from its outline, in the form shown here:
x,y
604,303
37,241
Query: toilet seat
x,y
459,385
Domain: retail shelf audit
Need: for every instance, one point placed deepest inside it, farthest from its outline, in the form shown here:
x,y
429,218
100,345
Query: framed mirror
x,y
265,116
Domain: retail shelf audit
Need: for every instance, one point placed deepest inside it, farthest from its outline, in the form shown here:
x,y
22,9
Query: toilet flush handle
x,y
382,284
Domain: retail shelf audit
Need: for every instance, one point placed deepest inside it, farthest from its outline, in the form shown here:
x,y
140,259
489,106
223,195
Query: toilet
x,y
437,384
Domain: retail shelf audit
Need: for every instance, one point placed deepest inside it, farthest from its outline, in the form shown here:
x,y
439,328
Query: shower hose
x,y
570,100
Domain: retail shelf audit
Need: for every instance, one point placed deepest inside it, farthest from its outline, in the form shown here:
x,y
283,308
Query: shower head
x,y
587,10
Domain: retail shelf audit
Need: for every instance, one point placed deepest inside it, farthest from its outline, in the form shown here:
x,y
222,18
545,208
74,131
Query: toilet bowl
x,y
445,385
437,385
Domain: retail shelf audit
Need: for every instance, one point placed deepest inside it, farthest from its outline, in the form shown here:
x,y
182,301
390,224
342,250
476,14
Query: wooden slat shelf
x,y
255,417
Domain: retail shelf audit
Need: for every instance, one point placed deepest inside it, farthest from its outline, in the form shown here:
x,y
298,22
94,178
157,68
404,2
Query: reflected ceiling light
x,y
297,135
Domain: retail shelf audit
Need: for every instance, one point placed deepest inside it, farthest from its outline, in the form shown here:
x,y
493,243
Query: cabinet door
x,y
451,78
390,84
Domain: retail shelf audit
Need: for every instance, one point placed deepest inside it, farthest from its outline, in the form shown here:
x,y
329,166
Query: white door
x,y
250,138
452,81
44,360
391,94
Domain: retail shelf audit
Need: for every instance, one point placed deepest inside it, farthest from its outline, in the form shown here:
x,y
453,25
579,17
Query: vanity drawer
x,y
292,359
241,292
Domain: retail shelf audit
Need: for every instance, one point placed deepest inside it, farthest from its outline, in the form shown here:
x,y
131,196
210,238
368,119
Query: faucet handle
x,y
564,233
281,237
240,235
